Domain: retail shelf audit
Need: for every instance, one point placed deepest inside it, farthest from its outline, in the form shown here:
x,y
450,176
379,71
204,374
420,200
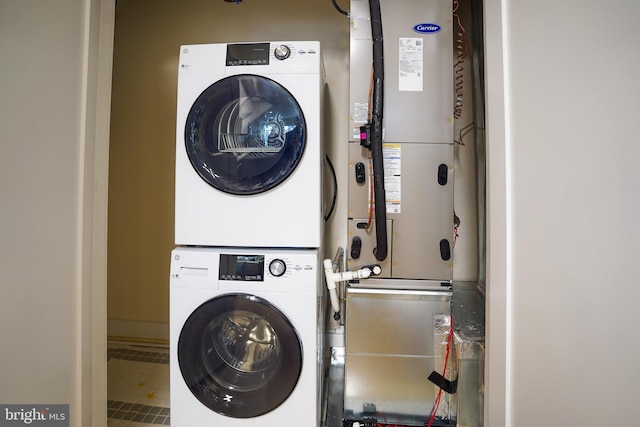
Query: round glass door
x,y
239,355
245,134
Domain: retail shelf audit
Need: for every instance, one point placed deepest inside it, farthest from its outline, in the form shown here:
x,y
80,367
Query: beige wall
x,y
148,36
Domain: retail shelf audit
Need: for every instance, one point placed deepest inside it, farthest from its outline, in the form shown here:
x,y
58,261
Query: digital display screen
x,y
248,268
248,54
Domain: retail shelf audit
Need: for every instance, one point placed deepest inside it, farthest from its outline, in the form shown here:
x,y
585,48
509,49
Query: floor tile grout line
x,y
137,412
138,356
124,412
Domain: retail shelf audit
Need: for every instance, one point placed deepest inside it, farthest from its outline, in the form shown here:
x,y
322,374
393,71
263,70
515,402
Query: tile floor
x,y
137,385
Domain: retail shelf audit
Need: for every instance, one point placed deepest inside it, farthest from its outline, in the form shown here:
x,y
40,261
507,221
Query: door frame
x,y
99,27
98,42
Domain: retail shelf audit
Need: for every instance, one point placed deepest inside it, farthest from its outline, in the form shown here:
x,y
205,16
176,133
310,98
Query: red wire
x,y
436,404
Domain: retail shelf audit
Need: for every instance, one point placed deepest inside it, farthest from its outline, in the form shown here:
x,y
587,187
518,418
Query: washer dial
x,y
282,52
277,267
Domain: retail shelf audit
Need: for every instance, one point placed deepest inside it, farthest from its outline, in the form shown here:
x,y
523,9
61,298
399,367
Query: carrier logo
x,y
426,28
39,415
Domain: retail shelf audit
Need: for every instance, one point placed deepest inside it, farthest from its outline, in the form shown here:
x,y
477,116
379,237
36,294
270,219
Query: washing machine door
x,y
240,355
245,134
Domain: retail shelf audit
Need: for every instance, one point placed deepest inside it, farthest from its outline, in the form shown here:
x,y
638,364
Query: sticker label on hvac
x,y
410,64
392,159
34,415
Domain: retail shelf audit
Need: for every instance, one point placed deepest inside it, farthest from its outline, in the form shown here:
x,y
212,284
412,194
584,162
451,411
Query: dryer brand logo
x,y
39,415
426,28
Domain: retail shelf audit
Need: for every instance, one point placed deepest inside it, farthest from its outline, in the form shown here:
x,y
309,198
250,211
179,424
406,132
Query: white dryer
x,y
246,337
249,154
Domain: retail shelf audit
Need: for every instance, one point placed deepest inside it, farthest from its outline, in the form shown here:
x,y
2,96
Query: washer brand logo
x,y
40,415
426,28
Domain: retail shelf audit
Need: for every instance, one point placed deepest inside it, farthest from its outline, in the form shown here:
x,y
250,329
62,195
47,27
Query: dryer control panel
x,y
242,54
248,54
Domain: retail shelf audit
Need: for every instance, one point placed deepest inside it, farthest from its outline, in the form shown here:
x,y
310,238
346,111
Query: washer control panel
x,y
255,267
246,269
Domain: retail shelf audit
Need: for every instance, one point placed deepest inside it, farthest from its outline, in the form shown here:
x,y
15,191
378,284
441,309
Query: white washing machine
x,y
249,154
246,337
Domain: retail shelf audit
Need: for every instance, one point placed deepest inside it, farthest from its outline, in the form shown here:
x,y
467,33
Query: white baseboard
x,y
133,329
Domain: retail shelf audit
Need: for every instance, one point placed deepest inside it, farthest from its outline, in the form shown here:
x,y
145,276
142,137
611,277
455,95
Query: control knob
x,y
282,52
277,267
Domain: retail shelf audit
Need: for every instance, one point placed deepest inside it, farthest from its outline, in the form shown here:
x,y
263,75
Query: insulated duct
x,y
375,129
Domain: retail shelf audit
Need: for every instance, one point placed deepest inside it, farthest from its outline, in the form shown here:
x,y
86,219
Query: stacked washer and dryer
x,y
246,296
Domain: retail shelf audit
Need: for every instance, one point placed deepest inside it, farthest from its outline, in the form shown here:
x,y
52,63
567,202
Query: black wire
x,y
342,11
335,189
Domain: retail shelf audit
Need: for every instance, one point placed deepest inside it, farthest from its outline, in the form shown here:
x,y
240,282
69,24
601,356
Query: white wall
x,y
563,276
53,218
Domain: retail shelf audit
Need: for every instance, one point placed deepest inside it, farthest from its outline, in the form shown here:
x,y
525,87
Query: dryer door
x,y
245,134
240,355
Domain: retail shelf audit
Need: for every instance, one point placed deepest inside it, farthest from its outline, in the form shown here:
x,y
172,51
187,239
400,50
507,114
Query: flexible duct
x,y
380,209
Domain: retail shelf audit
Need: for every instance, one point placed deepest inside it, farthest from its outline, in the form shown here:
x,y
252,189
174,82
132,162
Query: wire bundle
x,y
461,54
436,404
